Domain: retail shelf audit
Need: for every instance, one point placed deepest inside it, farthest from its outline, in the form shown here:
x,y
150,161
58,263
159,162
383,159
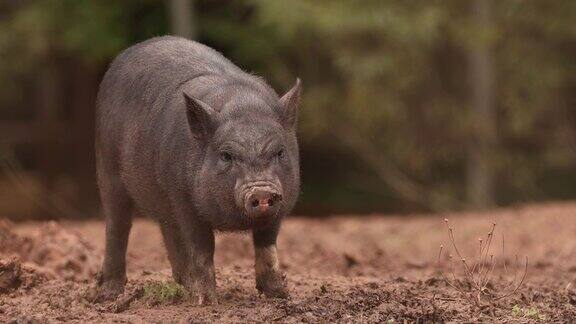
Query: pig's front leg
x,y
269,279
198,276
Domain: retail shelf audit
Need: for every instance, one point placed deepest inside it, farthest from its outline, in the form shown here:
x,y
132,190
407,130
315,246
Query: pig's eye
x,y
226,157
280,154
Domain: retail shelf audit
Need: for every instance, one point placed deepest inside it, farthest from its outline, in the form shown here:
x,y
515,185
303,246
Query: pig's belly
x,y
138,176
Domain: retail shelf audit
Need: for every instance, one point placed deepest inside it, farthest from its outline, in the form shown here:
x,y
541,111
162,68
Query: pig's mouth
x,y
260,201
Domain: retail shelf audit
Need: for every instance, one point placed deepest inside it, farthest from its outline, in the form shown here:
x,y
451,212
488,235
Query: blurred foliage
x,y
393,74
386,85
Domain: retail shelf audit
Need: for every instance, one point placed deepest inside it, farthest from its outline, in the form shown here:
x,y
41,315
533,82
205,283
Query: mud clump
x,y
51,250
10,272
14,275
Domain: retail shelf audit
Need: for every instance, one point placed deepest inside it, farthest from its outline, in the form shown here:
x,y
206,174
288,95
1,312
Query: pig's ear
x,y
289,105
201,117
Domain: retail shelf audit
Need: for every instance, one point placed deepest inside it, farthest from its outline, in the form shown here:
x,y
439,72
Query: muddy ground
x,y
340,269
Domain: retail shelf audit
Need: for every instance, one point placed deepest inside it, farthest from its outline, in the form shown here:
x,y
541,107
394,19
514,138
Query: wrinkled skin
x,y
186,137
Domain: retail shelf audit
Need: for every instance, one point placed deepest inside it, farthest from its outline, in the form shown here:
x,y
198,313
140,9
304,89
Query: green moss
x,y
531,313
163,292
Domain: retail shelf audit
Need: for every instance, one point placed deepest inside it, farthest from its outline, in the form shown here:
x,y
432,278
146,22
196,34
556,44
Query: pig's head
x,y
249,173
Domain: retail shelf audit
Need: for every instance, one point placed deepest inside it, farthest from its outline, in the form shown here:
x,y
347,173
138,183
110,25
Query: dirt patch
x,y
340,269
51,250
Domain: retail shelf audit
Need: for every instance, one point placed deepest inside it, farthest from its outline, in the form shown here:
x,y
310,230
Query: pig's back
x,y
136,116
149,71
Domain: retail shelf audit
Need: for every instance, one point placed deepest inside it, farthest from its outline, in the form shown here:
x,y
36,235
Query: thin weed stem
x,y
480,274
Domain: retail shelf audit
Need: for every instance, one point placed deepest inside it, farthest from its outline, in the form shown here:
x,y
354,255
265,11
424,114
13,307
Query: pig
x,y
189,139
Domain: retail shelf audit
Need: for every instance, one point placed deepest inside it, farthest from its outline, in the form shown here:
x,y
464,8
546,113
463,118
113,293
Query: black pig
x,y
188,138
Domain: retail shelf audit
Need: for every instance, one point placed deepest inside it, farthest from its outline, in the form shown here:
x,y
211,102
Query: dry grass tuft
x,y
476,282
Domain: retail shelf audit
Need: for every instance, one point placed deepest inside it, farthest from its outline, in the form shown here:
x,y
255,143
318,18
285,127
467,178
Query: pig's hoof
x,y
107,291
203,297
273,285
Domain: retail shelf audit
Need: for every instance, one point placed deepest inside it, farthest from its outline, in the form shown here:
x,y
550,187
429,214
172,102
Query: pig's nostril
x,y
262,201
276,198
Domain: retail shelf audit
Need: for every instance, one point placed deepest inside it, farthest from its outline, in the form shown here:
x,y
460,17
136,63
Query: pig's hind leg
x,y
175,247
269,279
117,208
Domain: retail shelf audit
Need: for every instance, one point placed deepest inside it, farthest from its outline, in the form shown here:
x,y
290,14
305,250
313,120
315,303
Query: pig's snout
x,y
262,202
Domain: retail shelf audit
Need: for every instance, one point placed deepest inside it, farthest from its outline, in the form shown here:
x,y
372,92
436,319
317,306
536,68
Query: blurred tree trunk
x,y
570,91
83,105
480,186
47,152
182,18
